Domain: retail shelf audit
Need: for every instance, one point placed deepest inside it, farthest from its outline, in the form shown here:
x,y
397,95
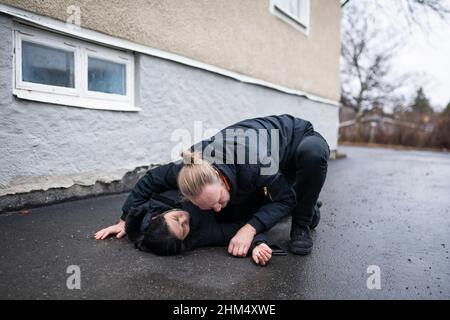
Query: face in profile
x,y
213,196
178,223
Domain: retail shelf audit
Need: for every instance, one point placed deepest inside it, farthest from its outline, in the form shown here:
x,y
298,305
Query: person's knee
x,y
313,157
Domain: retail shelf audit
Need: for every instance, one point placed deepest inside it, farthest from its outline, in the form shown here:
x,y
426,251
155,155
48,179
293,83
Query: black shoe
x,y
316,217
301,242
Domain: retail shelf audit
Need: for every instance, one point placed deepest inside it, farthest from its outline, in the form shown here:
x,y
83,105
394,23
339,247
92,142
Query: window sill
x,y
302,25
291,21
74,101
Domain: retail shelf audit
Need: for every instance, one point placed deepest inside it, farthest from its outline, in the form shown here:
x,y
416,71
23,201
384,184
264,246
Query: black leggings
x,y
311,163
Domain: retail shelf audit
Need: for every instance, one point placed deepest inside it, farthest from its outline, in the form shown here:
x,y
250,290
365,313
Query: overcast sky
x,y
429,54
425,52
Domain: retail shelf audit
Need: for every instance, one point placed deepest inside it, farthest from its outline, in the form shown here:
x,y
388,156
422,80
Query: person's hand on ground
x,y
242,241
117,229
261,254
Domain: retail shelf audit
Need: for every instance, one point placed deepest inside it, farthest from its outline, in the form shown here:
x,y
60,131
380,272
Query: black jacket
x,y
244,179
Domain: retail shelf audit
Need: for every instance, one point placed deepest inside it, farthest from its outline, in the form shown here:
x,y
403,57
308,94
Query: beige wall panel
x,y
237,35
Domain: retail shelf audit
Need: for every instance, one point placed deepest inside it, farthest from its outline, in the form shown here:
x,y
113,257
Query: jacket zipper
x,y
267,193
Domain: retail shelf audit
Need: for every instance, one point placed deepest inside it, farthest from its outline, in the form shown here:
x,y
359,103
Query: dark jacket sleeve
x,y
282,201
218,234
157,180
259,238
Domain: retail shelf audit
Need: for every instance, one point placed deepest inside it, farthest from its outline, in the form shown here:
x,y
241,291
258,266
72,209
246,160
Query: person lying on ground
x,y
167,226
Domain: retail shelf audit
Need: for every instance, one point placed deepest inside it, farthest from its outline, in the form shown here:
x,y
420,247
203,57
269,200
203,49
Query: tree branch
x,y
344,3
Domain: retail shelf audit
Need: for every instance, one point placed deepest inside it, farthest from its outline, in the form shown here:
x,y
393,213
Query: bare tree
x,y
365,62
412,7
367,51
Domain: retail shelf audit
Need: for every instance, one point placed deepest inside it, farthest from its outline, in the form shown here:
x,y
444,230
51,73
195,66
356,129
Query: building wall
x,y
236,35
44,140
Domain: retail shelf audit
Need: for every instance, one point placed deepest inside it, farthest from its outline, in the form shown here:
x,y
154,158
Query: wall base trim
x,y
31,196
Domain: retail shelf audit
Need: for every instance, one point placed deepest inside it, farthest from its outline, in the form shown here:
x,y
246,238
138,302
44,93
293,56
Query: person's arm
x,y
261,254
261,251
281,198
157,180
160,179
220,234
241,241
117,229
282,201
212,233
217,234
261,238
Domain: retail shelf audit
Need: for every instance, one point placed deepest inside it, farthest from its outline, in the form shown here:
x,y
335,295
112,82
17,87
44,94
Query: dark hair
x,y
133,222
158,239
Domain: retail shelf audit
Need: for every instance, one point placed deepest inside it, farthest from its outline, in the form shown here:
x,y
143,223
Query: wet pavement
x,y
382,207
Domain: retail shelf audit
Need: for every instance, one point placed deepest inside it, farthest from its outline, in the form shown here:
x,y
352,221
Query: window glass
x,y
289,6
46,65
106,76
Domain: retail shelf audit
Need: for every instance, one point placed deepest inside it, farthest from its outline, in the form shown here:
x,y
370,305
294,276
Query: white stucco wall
x,y
42,140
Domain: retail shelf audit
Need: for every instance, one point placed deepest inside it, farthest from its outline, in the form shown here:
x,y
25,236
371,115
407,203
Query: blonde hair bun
x,y
195,174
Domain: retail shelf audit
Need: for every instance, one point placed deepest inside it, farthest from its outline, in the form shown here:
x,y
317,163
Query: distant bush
x,y
405,131
440,137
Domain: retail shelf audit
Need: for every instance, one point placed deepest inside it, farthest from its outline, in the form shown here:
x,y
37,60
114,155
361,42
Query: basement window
x,y
60,70
294,12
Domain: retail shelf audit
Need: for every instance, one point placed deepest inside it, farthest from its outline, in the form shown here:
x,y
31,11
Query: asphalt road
x,y
382,207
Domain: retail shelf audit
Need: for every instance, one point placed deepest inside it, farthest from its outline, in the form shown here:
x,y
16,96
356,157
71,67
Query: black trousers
x,y
311,164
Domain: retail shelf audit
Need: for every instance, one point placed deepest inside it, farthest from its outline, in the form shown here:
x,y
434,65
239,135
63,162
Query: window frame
x,y
51,43
79,96
111,56
302,25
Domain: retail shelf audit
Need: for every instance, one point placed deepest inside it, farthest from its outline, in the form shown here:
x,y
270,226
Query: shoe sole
x,y
299,251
